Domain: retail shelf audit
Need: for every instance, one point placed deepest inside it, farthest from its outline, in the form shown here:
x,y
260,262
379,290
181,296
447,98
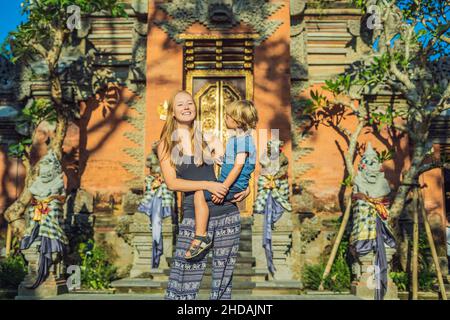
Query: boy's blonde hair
x,y
244,113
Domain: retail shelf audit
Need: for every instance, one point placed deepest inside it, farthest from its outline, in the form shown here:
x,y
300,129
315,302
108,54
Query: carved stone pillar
x,y
364,284
281,246
139,236
54,285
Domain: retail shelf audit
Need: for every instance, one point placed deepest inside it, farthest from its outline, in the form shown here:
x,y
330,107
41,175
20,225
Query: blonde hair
x,y
168,130
244,113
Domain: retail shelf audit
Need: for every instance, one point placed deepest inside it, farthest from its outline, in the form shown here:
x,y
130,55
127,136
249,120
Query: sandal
x,y
198,250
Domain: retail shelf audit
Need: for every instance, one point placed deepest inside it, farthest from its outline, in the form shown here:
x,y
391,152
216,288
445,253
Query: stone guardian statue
x,y
370,231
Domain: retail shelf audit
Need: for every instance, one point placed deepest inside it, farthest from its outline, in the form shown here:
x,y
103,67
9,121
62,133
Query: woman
x,y
188,171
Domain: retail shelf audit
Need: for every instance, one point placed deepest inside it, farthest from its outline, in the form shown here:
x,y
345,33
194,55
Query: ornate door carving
x,y
211,100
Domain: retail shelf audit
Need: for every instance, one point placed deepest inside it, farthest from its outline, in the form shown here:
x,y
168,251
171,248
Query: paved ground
x,y
311,296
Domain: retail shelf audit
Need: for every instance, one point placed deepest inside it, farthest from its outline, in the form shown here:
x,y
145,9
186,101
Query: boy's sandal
x,y
197,249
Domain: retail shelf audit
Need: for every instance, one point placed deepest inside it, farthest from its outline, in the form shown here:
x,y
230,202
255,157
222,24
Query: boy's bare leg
x,y
201,216
201,213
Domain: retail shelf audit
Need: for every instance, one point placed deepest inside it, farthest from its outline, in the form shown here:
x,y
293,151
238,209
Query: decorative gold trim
x,y
230,63
247,74
187,36
197,101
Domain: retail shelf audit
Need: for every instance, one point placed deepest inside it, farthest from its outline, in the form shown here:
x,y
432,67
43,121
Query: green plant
x,y
96,270
401,280
427,278
31,116
12,271
339,278
426,273
385,155
312,274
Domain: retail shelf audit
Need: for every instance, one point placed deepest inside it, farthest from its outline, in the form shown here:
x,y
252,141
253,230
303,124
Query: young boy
x,y
237,167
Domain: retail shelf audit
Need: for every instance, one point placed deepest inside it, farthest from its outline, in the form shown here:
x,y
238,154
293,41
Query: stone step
x,y
446,286
103,220
139,285
247,254
277,287
262,288
142,285
422,295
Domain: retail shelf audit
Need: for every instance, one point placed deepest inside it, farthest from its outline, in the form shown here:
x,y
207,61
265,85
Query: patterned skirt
x,y
185,277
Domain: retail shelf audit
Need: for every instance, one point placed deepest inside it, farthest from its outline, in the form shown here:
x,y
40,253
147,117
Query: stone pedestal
x,y
143,278
54,285
140,238
364,284
281,246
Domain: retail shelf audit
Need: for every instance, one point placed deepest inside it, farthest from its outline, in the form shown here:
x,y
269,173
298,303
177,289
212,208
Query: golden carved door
x,y
211,97
211,100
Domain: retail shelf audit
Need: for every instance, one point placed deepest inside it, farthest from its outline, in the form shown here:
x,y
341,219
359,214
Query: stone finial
x,y
297,7
370,151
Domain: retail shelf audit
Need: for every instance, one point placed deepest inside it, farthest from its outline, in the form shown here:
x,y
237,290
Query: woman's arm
x,y
183,185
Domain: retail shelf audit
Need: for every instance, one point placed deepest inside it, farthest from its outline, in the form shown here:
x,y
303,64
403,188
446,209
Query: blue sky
x,y
10,17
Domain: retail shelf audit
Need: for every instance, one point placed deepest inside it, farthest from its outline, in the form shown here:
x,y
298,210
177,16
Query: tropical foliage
x,y
12,271
338,279
50,27
97,272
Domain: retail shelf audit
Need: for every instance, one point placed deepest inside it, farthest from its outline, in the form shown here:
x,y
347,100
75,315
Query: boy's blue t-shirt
x,y
235,145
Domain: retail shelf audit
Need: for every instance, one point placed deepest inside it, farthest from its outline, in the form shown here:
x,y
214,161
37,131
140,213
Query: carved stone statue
x,y
158,203
45,219
272,198
370,231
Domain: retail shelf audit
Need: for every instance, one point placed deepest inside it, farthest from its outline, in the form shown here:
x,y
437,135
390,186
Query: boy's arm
x,y
237,168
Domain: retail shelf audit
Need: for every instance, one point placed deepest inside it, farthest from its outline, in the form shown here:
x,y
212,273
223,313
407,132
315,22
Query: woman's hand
x,y
218,189
216,200
238,197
